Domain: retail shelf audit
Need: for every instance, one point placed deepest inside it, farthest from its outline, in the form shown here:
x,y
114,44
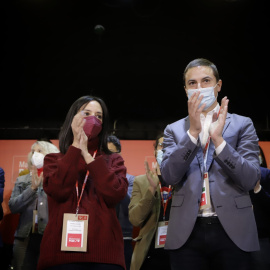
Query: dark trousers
x,y
128,249
209,248
32,252
261,258
86,266
157,259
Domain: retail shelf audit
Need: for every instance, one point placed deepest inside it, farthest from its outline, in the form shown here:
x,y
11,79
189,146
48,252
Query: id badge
x,y
205,198
74,234
161,234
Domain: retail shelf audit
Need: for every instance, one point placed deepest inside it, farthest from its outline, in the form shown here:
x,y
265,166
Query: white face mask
x,y
37,160
208,95
159,156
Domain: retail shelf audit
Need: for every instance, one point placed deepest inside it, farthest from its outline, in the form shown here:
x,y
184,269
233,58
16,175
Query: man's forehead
x,y
200,70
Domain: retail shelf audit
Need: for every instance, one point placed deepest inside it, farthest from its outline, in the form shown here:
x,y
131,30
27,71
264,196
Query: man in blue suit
x,y
211,159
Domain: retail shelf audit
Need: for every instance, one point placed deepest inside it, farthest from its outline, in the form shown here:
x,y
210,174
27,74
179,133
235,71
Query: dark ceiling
x,y
131,53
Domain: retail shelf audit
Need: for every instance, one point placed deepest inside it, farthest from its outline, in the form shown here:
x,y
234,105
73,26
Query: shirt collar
x,y
215,110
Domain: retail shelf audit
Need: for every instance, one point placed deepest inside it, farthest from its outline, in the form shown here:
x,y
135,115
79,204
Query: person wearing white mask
x,y
211,159
149,210
30,201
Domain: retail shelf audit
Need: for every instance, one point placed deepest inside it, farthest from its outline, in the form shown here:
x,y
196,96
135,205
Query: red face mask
x,y
92,126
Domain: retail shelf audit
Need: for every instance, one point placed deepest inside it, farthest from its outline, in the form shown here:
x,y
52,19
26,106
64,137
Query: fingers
x,y
78,121
224,104
194,102
195,99
224,108
146,167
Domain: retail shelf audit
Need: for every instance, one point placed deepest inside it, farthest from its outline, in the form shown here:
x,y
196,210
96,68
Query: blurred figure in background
x,y
2,185
114,146
30,201
149,209
260,197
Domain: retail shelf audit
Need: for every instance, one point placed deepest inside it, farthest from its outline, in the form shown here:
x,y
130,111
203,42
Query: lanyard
x,y
167,200
84,183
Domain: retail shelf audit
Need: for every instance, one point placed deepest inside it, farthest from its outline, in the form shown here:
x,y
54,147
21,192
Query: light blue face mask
x,y
159,156
208,95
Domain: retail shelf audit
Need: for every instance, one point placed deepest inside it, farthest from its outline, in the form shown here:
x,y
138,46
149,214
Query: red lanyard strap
x,y
77,188
162,198
77,191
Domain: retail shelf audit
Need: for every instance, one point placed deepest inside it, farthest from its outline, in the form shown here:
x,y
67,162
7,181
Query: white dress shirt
x,y
204,134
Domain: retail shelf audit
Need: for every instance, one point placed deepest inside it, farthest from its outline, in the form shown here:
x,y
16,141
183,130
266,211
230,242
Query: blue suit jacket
x,y
232,174
261,204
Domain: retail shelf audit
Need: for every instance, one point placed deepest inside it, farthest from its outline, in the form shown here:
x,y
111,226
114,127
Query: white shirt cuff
x,y
194,140
220,147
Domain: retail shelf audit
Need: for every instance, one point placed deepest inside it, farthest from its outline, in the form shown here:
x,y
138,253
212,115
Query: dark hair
x,y
113,139
160,135
66,134
201,62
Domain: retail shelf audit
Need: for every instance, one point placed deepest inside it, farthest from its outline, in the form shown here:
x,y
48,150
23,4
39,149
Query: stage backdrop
x,y
13,159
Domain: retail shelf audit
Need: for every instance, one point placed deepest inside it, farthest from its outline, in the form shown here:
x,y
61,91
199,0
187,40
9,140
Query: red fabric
x,y
39,171
106,186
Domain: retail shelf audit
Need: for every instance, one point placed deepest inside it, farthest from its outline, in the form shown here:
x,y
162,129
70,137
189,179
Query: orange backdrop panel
x,y
13,159
266,150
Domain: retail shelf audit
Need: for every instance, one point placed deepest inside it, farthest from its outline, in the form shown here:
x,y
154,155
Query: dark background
x,y
54,52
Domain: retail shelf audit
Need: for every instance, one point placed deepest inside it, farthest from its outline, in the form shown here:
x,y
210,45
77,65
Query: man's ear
x,y
219,84
186,91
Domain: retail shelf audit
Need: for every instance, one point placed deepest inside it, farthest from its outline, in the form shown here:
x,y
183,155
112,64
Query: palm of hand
x,y
151,175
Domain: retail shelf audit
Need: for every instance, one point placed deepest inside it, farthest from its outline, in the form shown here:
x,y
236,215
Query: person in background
x,y
114,146
83,183
30,201
260,197
211,158
2,250
2,185
149,209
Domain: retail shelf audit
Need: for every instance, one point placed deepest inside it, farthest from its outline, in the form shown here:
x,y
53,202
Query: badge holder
x,y
74,234
161,234
205,198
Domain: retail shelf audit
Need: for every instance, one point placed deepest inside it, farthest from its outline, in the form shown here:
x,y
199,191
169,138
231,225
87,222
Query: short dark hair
x,y
66,134
201,62
113,139
160,135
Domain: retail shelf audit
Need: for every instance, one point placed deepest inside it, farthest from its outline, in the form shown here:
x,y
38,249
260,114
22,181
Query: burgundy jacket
x,y
106,186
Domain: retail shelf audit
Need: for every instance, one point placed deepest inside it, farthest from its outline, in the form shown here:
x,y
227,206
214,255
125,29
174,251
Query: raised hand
x,y
194,114
152,177
36,180
77,129
218,122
